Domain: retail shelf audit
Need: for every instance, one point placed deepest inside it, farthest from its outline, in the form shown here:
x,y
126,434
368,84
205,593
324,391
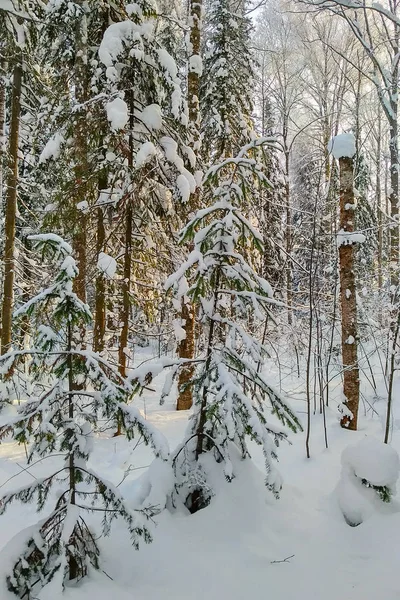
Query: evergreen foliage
x,y
71,389
225,94
230,394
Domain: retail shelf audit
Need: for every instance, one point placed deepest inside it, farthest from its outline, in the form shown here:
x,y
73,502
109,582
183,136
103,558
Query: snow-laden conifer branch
x,y
70,390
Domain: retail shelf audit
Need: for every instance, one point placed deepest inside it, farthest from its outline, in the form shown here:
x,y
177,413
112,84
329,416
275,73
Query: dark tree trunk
x,y
81,169
348,298
11,210
186,347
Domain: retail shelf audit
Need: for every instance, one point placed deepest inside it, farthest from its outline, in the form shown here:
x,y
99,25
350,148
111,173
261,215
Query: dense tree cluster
x,y
209,186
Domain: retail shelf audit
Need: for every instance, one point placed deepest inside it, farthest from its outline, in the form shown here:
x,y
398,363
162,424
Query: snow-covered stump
x,y
370,470
343,148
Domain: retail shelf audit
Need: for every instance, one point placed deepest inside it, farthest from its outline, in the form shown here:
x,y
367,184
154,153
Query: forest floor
x,y
245,544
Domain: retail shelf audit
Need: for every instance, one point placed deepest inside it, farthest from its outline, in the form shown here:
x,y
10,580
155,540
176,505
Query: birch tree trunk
x,y
348,299
11,208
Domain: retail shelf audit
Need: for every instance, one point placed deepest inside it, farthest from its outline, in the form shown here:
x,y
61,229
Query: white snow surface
x,y
107,265
7,5
377,463
228,551
345,238
117,113
151,116
52,149
145,153
196,64
342,146
373,460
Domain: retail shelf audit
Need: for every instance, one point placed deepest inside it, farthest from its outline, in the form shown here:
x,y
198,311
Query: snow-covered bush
x,y
370,470
71,388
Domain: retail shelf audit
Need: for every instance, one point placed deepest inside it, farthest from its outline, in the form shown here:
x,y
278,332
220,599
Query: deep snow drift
x,y
245,544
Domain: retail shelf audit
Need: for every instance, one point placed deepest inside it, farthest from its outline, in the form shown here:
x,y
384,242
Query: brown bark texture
x,y
348,300
186,347
81,169
100,300
126,283
99,329
2,122
126,288
11,210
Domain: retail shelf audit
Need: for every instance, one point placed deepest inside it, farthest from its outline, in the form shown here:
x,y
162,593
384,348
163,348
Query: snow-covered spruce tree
x,y
145,103
71,389
231,396
227,82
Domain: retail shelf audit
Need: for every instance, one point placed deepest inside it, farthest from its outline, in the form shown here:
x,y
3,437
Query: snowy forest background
x,y
200,275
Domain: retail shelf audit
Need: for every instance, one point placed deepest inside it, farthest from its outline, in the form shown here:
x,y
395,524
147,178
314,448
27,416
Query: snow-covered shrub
x,y
71,389
370,470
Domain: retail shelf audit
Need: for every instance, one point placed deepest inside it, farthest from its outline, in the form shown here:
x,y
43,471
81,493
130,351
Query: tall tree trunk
x,y
72,566
2,123
288,236
394,160
100,299
99,328
394,209
126,289
378,201
81,170
3,150
126,283
186,347
348,299
11,209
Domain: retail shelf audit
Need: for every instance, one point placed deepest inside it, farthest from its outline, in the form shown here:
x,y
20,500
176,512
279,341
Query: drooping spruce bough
x,y
71,389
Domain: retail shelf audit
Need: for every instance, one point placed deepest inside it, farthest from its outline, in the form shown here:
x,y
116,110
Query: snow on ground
x,y
227,551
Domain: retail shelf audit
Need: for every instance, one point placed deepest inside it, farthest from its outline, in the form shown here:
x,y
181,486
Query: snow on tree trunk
x,y
186,346
348,302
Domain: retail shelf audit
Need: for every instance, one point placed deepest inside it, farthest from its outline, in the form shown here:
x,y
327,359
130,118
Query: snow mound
x,y
342,146
365,464
373,460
